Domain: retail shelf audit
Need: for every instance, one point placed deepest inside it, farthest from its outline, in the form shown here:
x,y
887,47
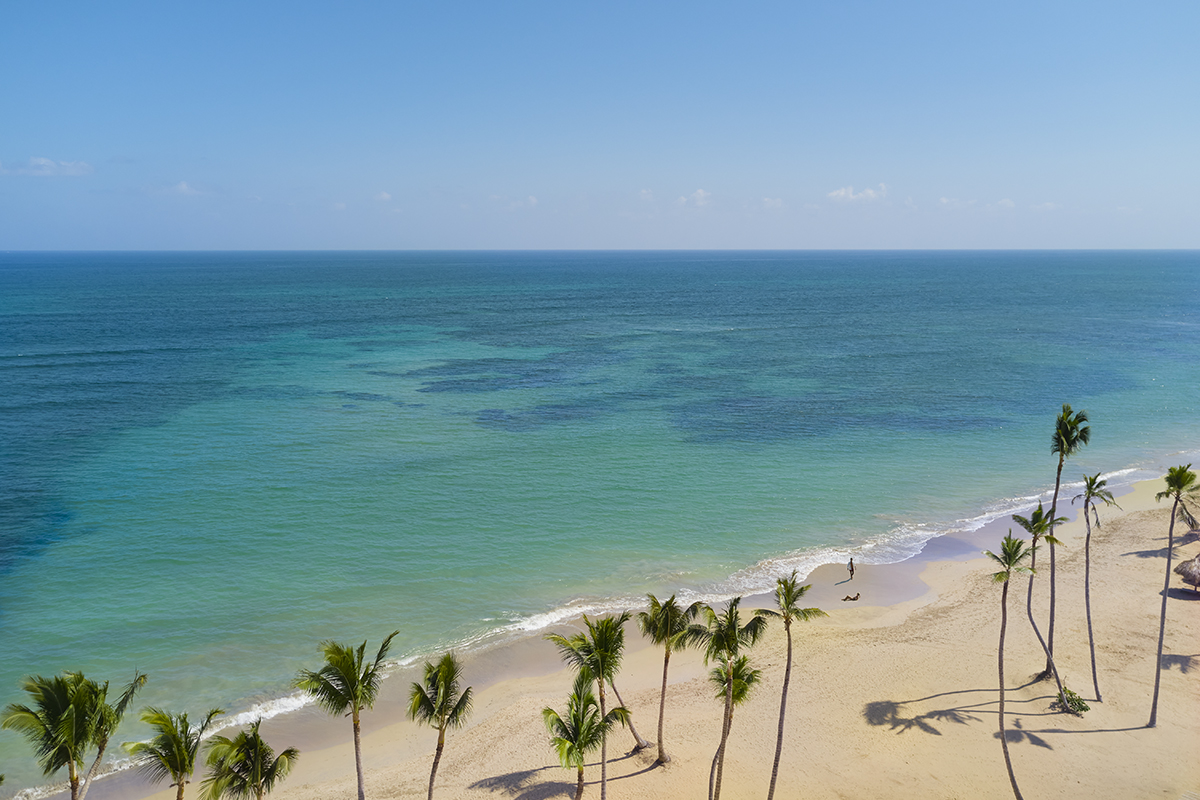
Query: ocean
x,y
209,462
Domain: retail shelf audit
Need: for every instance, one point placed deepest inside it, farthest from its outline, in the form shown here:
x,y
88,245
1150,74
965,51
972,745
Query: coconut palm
x,y
1070,436
440,702
787,596
724,638
1094,490
70,715
1183,490
599,652
670,625
1012,553
171,753
347,684
245,766
737,680
1037,525
583,728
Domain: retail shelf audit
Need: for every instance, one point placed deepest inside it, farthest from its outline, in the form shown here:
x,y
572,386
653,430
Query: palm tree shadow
x,y
1161,552
1017,734
888,712
524,785
1185,663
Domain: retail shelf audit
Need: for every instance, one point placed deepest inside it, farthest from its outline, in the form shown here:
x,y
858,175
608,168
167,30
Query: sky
x,y
615,125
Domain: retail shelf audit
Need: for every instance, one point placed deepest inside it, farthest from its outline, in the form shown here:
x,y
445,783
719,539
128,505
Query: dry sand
x,y
892,697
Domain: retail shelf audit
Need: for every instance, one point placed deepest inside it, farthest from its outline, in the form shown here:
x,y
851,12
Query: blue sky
x,y
224,125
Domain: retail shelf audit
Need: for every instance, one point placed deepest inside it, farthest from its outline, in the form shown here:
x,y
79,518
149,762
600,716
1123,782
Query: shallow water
x,y
209,462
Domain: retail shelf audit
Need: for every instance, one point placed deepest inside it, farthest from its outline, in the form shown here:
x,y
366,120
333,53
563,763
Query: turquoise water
x,y
212,461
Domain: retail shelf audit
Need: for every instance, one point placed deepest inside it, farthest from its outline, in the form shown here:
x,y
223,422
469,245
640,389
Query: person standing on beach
x,y
851,568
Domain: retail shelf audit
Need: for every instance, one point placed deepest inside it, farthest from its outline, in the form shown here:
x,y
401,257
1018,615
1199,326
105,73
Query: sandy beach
x,y
893,696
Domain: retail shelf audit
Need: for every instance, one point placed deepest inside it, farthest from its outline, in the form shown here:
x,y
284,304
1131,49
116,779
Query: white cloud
x,y
646,195
1046,207
532,201
696,198
1005,203
910,203
183,188
47,167
338,206
954,202
773,202
383,197
847,195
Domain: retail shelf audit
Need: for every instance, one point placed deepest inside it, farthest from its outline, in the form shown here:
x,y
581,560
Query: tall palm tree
x,y
108,717
1038,525
599,652
670,625
245,766
723,638
1182,489
1071,434
1012,553
583,728
1094,490
440,702
788,595
347,683
172,752
734,680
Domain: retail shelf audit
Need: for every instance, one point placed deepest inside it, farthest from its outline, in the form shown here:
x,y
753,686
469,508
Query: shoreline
x,y
893,593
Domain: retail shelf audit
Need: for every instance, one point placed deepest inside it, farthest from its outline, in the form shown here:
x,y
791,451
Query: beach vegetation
x,y
1184,492
440,702
582,729
1012,558
735,680
1095,491
1071,434
347,684
245,767
171,752
723,639
598,652
1038,525
69,715
788,595
671,626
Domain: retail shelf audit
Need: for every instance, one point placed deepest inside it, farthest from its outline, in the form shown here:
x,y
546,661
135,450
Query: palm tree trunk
x,y
1087,596
358,770
1004,739
716,792
639,742
603,747
1051,668
87,781
1162,617
436,758
787,677
579,786
1053,516
73,771
179,794
662,707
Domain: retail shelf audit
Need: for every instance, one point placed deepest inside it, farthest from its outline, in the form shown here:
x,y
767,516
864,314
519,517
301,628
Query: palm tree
x,y
1038,525
172,751
598,652
438,702
787,596
1182,489
723,638
670,625
1093,490
1070,436
1012,553
70,714
583,729
245,766
347,683
733,680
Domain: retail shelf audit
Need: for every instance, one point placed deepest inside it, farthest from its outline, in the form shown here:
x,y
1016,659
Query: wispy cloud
x,y
383,197
183,188
847,194
697,198
772,202
1046,207
954,202
1005,203
49,168
646,195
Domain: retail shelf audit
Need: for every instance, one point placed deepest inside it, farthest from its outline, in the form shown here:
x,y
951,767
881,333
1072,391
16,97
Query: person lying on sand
x,y
848,597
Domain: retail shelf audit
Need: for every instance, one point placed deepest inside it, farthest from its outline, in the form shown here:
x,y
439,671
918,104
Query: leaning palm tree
x,y
734,680
787,596
1012,553
599,652
171,753
582,729
1038,525
670,625
245,766
439,702
1071,434
1094,490
347,684
723,638
108,717
1183,489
